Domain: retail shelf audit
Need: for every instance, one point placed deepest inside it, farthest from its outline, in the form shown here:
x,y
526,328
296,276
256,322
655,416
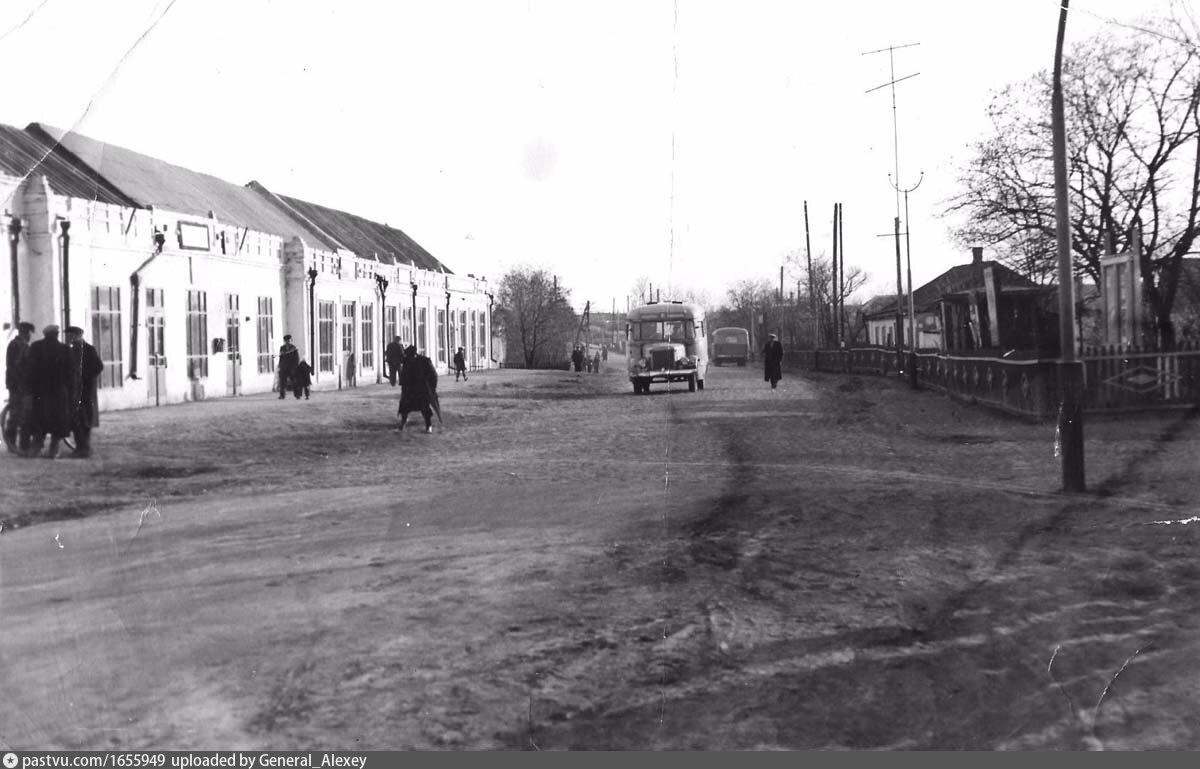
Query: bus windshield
x,y
663,331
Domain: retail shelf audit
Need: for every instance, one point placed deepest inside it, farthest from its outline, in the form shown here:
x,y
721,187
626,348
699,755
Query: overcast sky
x,y
603,140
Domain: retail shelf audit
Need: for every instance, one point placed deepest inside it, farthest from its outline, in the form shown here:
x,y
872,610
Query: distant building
x,y
186,283
978,305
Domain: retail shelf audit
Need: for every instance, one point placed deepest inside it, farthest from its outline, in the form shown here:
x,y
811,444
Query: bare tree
x,y
1132,103
823,290
538,320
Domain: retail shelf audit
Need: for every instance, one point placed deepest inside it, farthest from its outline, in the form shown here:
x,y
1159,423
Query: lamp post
x,y
1070,370
413,286
14,237
312,319
381,284
912,312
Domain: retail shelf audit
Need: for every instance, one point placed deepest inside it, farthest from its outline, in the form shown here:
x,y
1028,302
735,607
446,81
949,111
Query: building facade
x,y
186,284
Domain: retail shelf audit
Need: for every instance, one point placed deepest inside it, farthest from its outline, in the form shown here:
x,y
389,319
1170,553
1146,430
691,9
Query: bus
x,y
666,343
731,344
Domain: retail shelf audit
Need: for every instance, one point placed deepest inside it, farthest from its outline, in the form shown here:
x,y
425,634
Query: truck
x,y
731,345
666,342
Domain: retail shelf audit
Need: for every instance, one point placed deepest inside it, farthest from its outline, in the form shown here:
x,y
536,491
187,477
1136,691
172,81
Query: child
x,y
302,379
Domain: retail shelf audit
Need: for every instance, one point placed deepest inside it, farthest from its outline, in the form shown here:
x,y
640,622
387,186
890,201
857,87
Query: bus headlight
x,y
641,363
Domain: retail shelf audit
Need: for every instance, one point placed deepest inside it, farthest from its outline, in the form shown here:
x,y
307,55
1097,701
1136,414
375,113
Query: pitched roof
x,y
23,154
962,277
153,182
878,304
367,239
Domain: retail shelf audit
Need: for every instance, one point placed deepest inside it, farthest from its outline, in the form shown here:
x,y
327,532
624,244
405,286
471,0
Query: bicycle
x,y
10,436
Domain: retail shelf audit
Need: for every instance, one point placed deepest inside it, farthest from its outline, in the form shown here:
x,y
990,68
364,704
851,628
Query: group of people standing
x,y
295,374
580,359
52,390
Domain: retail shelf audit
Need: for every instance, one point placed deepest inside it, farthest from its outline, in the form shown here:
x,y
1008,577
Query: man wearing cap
x,y
84,403
394,356
289,359
418,388
47,374
14,380
773,361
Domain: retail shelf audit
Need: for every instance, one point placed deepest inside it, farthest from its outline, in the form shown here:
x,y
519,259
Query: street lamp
x,y
1070,370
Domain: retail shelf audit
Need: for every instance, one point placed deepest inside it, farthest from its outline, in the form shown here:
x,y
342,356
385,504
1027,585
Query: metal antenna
x,y
912,313
891,49
895,123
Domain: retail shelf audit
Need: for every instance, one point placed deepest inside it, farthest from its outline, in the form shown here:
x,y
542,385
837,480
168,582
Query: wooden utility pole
x,y
834,312
842,268
1070,374
812,297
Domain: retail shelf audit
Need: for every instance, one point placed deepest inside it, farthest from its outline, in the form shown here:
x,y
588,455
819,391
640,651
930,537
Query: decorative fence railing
x,y
1122,377
1116,378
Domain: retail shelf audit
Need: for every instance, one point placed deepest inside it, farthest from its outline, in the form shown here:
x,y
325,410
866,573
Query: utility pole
x,y
896,160
812,297
834,312
912,313
1070,370
842,270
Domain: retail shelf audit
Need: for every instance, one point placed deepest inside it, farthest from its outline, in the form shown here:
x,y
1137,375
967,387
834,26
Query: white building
x,y
186,283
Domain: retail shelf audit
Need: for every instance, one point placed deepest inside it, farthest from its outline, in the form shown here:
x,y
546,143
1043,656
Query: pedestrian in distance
x,y
577,358
596,363
82,385
418,388
47,381
394,356
773,361
460,364
351,372
604,353
302,380
14,379
289,359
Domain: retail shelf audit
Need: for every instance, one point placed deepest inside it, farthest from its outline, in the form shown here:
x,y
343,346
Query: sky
x,y
603,140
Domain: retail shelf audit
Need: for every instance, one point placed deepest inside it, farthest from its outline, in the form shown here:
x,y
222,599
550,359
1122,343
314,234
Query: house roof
x,y
963,277
152,182
879,304
367,239
23,153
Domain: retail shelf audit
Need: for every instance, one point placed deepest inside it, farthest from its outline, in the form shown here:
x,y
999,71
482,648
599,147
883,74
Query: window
x,y
106,333
474,348
389,323
406,333
367,338
325,320
660,331
266,334
422,339
155,332
348,319
441,335
197,335
462,328
483,340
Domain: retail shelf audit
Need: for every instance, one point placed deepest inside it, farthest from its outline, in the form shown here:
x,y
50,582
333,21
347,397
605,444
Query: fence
x,y
1126,378
1116,378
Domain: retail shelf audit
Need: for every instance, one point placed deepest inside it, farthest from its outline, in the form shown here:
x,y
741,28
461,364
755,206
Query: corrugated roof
x,y
153,182
23,153
367,239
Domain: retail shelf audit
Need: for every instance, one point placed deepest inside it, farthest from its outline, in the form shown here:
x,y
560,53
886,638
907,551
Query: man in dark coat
x,y
394,355
418,388
83,398
289,359
577,358
14,380
460,364
773,361
47,378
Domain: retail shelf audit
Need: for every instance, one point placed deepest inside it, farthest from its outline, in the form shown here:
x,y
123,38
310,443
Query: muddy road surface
x,y
839,563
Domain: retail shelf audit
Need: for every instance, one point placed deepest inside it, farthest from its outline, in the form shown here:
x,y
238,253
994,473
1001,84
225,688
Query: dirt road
x,y
838,563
